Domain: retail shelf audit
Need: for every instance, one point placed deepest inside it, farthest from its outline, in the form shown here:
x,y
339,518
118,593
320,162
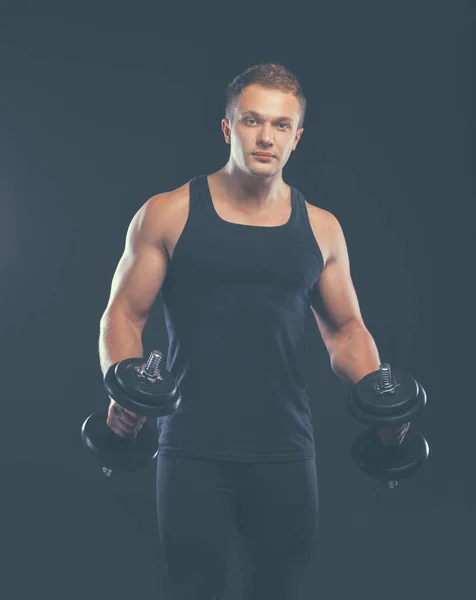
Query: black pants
x,y
275,508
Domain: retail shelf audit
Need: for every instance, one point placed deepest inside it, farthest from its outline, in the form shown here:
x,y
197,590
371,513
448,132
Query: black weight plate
x,y
387,462
117,392
114,452
386,404
137,388
376,420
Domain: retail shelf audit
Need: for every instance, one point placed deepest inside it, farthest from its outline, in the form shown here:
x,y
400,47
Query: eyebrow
x,y
255,114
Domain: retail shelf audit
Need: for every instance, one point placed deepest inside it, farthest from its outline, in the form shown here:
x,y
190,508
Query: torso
x,y
174,214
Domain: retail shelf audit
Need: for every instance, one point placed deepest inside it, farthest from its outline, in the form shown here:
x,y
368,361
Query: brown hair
x,y
270,76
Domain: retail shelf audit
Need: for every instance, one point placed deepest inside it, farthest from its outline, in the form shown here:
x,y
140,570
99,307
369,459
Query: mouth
x,y
263,156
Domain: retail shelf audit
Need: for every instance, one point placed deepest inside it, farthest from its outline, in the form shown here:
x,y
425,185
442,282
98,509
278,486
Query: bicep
x,y
142,268
333,298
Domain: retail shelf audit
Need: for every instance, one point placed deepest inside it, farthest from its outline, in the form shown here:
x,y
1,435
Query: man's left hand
x,y
393,436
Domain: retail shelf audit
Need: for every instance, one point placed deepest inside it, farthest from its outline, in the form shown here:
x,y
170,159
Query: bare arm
x,y
351,347
334,302
136,283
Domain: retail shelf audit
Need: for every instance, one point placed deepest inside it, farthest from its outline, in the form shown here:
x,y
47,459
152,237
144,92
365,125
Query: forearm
x,y
352,359
354,356
120,338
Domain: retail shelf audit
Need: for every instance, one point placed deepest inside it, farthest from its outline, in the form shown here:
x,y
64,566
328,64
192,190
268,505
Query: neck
x,y
251,191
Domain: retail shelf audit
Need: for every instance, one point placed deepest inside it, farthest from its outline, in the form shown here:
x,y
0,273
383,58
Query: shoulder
x,y
327,231
161,208
322,217
154,217
165,201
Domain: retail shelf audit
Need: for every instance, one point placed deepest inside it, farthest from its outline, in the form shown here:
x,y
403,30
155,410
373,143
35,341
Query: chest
x,y
178,215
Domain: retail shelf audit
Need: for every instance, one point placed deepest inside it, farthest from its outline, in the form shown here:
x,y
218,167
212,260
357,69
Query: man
x,y
239,257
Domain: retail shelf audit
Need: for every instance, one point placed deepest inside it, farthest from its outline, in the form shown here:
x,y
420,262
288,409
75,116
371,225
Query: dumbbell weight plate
x,y
114,452
386,404
377,418
389,462
137,394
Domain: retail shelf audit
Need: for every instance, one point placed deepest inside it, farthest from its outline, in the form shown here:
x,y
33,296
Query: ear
x,y
299,133
226,128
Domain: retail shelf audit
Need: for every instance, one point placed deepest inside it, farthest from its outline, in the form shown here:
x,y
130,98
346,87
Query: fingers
x,y
124,430
131,423
135,418
124,422
129,412
117,430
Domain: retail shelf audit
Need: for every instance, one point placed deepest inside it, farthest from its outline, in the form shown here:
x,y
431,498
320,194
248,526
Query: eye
x,y
250,119
285,125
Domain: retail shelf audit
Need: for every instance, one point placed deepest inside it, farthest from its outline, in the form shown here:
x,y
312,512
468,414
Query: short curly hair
x,y
270,76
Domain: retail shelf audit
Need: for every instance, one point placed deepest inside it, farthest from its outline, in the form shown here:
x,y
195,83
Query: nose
x,y
265,137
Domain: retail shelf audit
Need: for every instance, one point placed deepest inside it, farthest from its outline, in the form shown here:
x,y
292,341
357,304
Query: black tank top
x,y
235,299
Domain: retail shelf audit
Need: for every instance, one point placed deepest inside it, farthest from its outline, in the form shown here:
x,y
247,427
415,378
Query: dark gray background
x,y
104,105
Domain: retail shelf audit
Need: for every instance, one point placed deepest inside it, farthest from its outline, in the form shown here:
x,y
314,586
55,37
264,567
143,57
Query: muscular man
x,y
239,257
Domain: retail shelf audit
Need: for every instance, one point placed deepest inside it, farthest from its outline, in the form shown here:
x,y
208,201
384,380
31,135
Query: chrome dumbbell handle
x,y
151,371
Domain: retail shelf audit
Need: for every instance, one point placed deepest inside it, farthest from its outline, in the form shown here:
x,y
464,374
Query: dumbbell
x,y
389,463
145,390
382,399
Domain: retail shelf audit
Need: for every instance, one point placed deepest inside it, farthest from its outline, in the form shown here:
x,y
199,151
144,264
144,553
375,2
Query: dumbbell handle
x,y
387,384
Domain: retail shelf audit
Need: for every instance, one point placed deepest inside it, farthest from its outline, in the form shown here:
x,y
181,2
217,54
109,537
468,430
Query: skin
x,y
254,188
252,184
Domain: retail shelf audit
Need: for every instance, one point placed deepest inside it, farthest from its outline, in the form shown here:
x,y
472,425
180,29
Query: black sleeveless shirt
x,y
235,299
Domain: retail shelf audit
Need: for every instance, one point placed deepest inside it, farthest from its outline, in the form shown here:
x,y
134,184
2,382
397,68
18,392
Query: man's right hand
x,y
122,422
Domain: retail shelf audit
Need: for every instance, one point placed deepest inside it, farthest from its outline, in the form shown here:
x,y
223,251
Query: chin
x,y
262,174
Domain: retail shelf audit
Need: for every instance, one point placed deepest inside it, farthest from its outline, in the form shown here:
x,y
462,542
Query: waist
x,y
236,425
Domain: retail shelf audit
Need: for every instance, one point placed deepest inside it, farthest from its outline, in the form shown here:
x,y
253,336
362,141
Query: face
x,y
265,120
